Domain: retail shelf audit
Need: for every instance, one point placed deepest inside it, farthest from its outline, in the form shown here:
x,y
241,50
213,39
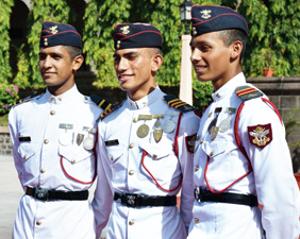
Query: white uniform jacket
x,y
122,168
50,136
218,164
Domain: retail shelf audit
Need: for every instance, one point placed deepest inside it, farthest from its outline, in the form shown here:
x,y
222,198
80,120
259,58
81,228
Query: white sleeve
x,y
276,187
13,130
103,197
188,127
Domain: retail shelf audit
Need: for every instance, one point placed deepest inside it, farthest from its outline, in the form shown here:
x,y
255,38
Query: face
x,y
57,68
211,59
135,69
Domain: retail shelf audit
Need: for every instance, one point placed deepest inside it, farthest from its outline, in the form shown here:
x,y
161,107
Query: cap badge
x,y
125,29
205,13
53,29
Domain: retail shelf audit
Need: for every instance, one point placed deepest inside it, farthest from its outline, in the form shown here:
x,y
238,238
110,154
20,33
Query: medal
x,y
88,143
157,131
225,124
142,131
79,139
168,126
213,132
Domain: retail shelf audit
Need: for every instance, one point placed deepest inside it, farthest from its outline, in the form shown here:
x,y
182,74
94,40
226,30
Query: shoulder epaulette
x,y
102,103
29,98
109,110
247,92
178,104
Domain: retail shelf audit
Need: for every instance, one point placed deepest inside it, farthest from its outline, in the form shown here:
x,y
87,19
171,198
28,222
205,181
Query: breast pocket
x,y
78,164
162,165
28,153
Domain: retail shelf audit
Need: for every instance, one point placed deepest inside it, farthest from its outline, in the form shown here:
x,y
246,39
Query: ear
x,y
77,62
157,61
236,50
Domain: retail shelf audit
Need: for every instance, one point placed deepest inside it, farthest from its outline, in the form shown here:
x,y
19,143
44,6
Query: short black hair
x,y
73,51
231,35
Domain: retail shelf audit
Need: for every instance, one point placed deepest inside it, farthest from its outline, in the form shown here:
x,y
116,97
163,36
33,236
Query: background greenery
x,y
274,39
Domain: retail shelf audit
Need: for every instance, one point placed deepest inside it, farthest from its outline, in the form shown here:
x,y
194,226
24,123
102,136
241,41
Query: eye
x,y
42,56
204,48
116,59
56,56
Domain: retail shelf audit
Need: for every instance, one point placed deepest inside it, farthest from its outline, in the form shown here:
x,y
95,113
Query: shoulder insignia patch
x,y
260,135
178,104
247,92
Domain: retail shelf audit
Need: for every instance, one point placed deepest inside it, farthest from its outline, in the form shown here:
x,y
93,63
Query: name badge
x,y
25,139
111,142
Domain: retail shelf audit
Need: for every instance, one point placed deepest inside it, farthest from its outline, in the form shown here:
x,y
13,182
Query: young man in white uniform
x,y
244,183
53,136
148,143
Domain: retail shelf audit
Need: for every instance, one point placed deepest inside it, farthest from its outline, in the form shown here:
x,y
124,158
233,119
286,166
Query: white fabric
x,y
38,164
272,179
120,170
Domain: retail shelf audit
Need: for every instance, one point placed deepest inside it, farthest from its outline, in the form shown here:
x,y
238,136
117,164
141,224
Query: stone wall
x,y
5,144
284,92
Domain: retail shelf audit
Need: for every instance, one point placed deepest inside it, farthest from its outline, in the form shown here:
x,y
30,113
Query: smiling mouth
x,y
200,69
124,77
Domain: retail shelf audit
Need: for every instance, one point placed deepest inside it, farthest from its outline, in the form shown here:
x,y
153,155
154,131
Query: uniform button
x,y
46,141
196,168
42,170
38,223
131,222
131,145
211,154
196,220
131,172
52,112
201,141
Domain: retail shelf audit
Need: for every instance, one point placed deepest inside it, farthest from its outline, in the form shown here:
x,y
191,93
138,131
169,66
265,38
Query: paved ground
x,y
10,192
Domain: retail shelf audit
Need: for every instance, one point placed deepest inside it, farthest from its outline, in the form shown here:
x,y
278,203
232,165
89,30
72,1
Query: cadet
x,y
148,144
53,136
244,183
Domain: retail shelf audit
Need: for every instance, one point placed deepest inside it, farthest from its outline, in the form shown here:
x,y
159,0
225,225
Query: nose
x,y
122,64
196,55
46,62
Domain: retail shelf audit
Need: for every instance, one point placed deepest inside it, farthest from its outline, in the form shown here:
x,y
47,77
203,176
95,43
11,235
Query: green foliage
x,y
100,17
8,96
43,10
5,11
273,40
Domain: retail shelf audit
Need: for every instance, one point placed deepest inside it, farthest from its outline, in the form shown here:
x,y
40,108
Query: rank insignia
x,y
53,29
205,14
125,30
190,142
260,135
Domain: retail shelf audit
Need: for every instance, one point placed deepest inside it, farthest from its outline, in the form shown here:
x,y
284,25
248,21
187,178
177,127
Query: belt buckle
x,y
131,200
41,194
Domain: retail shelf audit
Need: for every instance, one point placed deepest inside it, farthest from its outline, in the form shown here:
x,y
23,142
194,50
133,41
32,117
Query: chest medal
x,y
142,131
157,131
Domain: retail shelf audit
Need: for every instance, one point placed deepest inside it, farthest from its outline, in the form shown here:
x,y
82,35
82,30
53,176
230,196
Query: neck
x,y
60,89
218,83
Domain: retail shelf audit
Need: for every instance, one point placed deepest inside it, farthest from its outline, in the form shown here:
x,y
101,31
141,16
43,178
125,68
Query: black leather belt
x,y
51,195
204,195
139,200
